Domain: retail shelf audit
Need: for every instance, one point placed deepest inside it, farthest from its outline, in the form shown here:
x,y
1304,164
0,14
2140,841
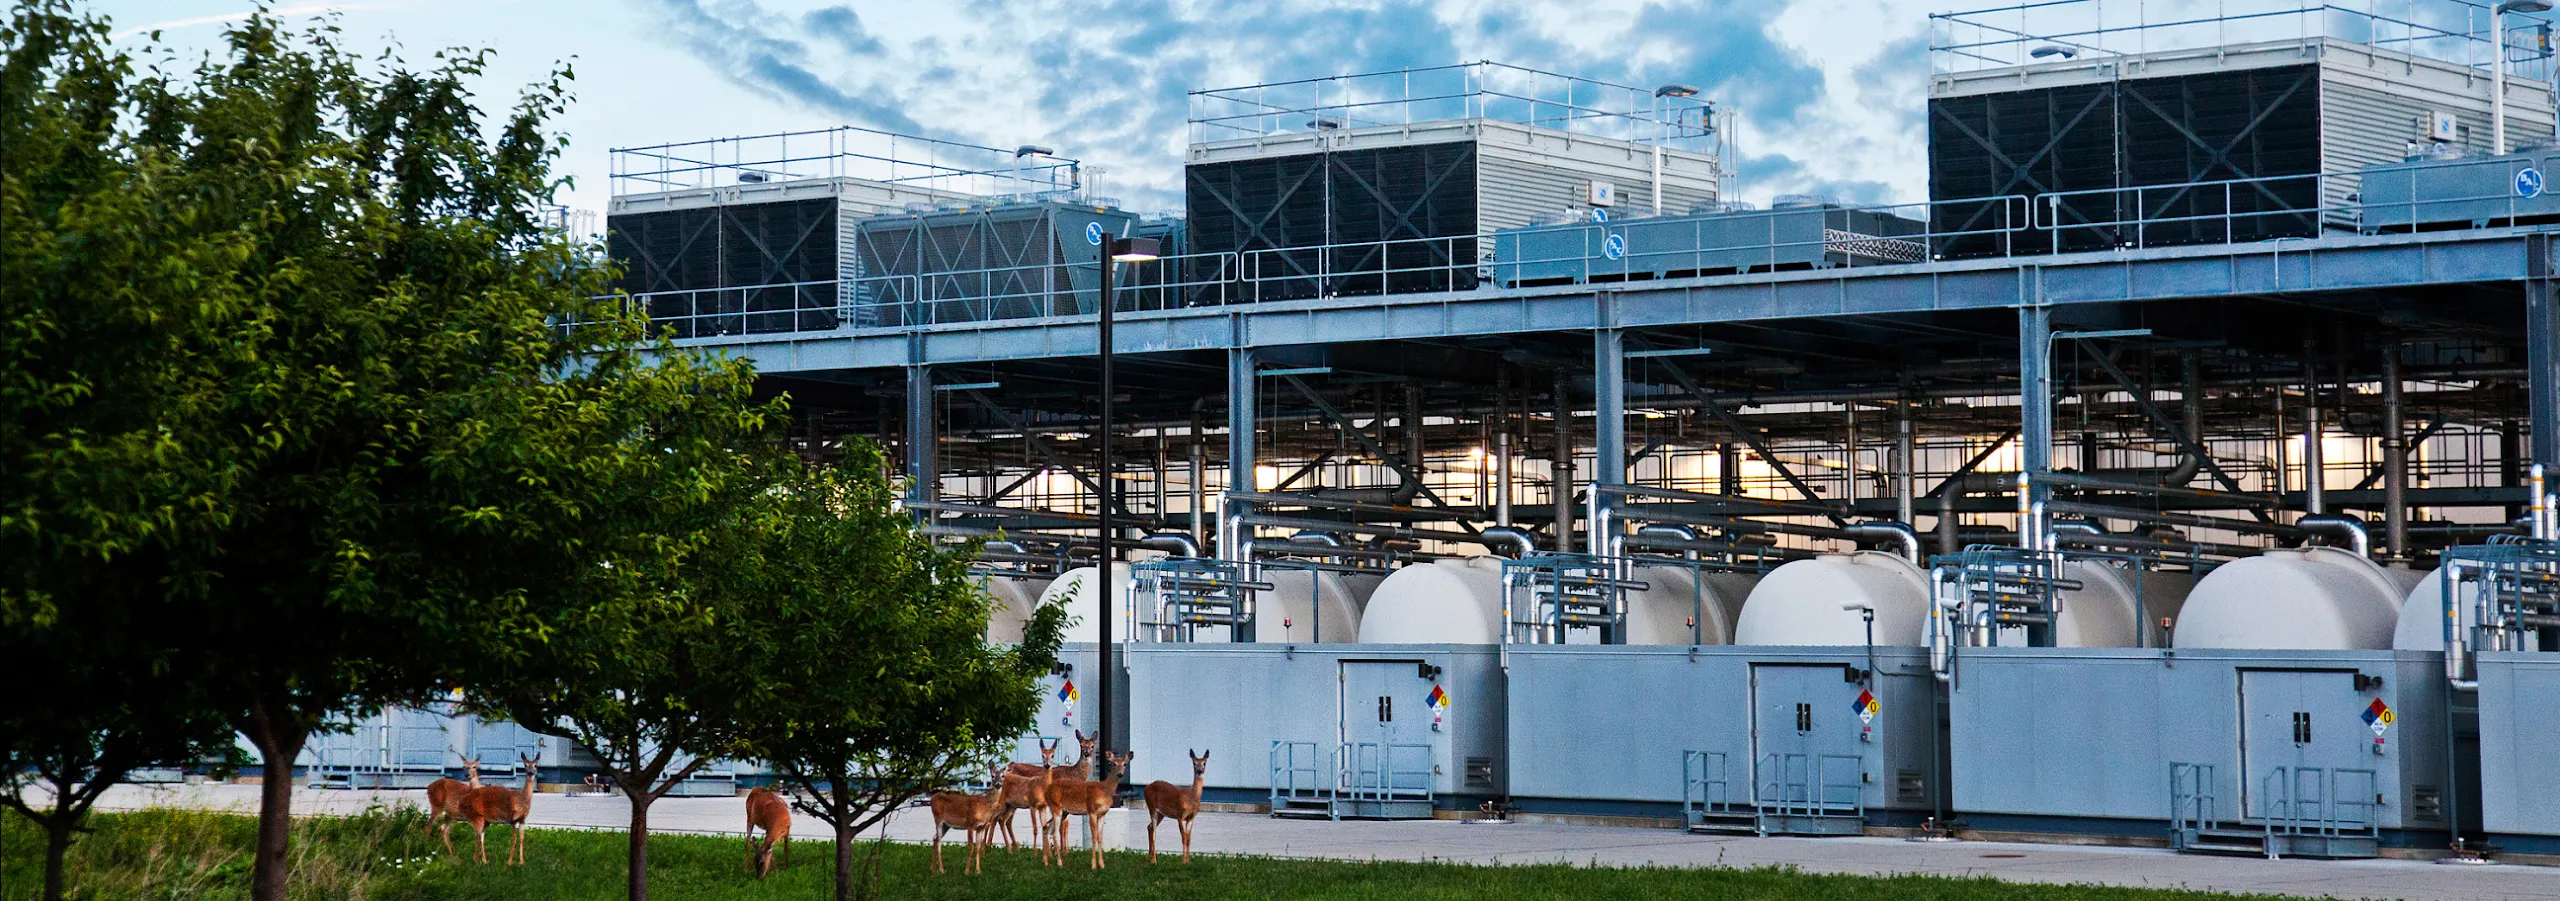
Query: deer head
x,y
1048,753
1199,763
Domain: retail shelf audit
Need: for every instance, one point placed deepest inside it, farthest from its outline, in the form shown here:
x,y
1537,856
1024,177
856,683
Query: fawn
x,y
1090,800
1167,800
444,798
489,803
767,810
973,814
1028,791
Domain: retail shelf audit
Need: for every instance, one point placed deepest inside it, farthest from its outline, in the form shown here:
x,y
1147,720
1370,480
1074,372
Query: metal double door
x,y
1807,739
2306,751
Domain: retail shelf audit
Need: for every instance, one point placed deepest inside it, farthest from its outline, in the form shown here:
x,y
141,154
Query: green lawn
x,y
181,854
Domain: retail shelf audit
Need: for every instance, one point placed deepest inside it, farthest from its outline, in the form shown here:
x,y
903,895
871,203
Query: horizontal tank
x,y
1660,613
1015,598
1306,605
1449,601
1805,602
2317,598
2102,613
2421,624
1076,589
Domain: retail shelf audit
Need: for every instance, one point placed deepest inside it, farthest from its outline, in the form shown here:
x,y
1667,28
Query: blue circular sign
x,y
1599,215
1093,233
2528,182
1615,247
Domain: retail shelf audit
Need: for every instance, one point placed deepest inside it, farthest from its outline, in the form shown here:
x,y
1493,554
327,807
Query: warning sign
x,y
2379,716
1867,708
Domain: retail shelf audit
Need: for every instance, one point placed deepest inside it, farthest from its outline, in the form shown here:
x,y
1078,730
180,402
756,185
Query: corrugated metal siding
x,y
1528,173
2374,104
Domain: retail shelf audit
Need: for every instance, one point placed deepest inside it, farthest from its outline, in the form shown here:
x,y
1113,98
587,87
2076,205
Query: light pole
x,y
1661,134
1114,251
2498,67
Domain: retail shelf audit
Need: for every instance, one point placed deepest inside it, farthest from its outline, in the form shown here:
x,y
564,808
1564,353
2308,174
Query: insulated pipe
x,y
1949,541
2332,528
2541,503
2030,515
1562,479
1905,461
1509,541
1707,546
2246,526
1178,544
1200,469
2395,461
1899,534
2315,477
1502,476
2129,542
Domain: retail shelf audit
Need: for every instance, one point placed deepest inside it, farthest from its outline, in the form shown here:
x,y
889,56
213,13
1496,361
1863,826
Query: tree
x,y
358,427
659,670
886,687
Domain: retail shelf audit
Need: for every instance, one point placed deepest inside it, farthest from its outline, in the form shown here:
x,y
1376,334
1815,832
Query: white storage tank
x,y
2316,598
1079,589
1306,605
1448,601
1801,603
2421,626
1660,613
2101,612
1015,598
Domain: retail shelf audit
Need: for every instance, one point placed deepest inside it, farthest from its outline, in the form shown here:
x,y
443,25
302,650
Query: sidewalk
x,y
1450,841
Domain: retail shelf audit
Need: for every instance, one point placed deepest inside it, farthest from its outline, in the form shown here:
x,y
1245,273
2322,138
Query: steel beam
x,y
1403,468
1609,405
2177,433
1244,398
923,441
2542,355
1735,425
2035,390
1046,450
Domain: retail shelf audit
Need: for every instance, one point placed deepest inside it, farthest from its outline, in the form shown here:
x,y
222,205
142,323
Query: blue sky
x,y
1830,93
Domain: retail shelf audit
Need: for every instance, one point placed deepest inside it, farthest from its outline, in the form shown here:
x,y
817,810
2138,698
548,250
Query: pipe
x,y
2395,461
2541,503
2315,476
1509,541
1502,476
1294,499
2030,515
1898,534
2189,520
1955,490
1905,461
1179,544
2128,542
1199,469
1562,479
2333,527
1705,546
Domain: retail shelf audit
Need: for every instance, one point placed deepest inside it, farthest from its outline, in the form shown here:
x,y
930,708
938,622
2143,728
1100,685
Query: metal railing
x,y
2193,806
2448,194
928,165
1804,785
1385,772
2008,35
1706,788
1300,776
2319,803
1476,90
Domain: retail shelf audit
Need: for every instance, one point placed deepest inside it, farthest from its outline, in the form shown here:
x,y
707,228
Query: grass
x,y
382,856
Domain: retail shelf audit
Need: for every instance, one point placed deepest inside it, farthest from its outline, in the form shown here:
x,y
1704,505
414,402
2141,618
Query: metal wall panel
x,y
2519,735
1234,700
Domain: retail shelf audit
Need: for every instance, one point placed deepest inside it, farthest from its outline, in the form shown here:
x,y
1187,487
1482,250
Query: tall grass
x,y
383,855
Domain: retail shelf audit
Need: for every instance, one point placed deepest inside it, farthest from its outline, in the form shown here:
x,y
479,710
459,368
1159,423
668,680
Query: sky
x,y
1830,94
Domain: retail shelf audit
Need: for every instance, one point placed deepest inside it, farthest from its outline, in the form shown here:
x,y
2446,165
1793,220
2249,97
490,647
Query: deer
x,y
971,813
767,810
444,798
1079,771
1166,800
491,803
1029,791
1090,799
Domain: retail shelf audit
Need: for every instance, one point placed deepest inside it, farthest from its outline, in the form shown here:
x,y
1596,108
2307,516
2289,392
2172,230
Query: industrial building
x,y
2173,474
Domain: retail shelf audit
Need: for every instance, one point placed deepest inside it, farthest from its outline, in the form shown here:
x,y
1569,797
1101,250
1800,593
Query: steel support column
x,y
923,474
2395,460
1243,398
1609,406
2035,383
2542,349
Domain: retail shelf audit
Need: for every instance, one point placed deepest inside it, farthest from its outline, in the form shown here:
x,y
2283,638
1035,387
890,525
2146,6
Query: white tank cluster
x,y
1015,598
1311,605
2316,598
2102,612
1660,613
2421,624
1081,590
1447,601
1812,601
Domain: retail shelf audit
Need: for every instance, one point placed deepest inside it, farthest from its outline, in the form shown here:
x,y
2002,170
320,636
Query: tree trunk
x,y
844,862
279,736
639,794
57,845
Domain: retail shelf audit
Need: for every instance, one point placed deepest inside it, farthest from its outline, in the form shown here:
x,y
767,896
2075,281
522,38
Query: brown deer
x,y
1166,800
444,798
1048,748
1090,800
1079,771
970,813
767,810
496,804
1028,791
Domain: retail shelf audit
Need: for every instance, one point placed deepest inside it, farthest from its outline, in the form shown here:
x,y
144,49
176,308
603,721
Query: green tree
x,y
885,687
360,427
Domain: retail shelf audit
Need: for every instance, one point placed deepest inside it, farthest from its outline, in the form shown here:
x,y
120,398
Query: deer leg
x,y
938,830
1154,819
447,827
480,841
1185,823
1009,845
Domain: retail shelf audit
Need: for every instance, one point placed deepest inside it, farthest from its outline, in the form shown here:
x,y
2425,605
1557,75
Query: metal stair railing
x,y
1706,788
2308,802
2193,807
1298,776
1385,771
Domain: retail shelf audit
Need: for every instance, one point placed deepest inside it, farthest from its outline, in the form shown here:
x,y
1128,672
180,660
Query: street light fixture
x,y
1114,251
2498,66
1674,89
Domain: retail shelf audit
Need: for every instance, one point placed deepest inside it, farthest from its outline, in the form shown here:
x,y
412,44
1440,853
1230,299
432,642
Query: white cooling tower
x,y
2310,598
1451,601
1801,603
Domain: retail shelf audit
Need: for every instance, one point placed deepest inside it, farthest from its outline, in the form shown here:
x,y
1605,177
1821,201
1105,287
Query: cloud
x,y
281,12
777,66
